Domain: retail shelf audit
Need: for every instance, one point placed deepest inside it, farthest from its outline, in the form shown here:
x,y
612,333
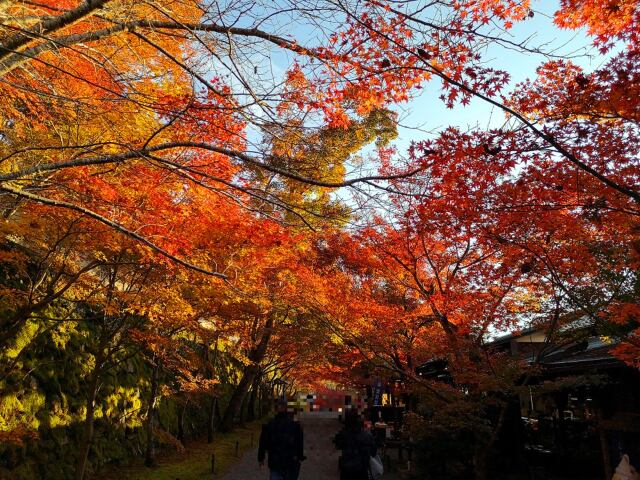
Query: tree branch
x,y
243,157
13,61
116,226
49,25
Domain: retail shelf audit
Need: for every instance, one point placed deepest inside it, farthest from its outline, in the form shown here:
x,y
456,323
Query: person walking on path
x,y
357,446
282,441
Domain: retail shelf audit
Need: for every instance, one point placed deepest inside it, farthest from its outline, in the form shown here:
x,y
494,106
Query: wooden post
x,y
213,464
604,445
237,447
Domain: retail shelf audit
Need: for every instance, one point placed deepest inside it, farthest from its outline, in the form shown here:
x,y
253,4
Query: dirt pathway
x,y
322,457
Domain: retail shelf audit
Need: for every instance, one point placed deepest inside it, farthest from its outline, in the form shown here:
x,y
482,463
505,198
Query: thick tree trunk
x,y
250,372
237,397
266,404
260,401
480,466
150,453
251,404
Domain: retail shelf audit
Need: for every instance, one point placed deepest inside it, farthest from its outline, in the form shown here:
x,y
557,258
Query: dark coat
x,y
282,440
362,441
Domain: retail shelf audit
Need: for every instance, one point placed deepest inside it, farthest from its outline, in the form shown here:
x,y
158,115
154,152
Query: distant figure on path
x,y
357,445
281,439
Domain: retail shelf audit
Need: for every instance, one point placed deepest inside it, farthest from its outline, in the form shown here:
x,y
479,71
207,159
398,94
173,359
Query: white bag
x,y
376,467
625,470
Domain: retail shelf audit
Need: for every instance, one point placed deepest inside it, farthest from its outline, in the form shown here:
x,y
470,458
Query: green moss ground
x,y
195,462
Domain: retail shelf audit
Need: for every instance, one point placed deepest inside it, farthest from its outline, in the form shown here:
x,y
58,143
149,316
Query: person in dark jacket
x,y
282,441
357,446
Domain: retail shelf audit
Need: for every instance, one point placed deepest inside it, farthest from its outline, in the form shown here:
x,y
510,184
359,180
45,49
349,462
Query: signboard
x,y
377,393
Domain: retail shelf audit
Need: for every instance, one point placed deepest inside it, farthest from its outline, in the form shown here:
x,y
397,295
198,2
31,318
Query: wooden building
x,y
581,410
579,406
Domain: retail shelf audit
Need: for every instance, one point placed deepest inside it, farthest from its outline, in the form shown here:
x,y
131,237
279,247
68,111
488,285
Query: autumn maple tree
x,y
169,176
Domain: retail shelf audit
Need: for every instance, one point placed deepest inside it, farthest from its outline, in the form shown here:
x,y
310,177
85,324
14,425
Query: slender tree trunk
x,y
101,357
481,457
218,418
181,414
243,409
150,453
211,423
213,410
87,431
10,328
604,447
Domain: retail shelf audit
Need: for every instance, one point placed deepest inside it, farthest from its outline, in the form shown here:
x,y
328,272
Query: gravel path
x,y
322,456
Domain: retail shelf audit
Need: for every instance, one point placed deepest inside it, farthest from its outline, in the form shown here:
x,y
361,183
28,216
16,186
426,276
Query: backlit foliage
x,y
173,236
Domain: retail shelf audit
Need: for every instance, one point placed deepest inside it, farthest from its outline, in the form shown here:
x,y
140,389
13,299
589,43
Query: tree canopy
x,y
209,194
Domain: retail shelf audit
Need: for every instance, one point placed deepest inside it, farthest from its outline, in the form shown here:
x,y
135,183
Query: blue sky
x,y
425,114
428,112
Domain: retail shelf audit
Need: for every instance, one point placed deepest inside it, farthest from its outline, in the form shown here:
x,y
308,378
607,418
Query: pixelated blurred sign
x,y
377,392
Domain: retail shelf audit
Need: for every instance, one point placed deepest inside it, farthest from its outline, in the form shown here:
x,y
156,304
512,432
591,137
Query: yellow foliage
x,y
20,412
28,331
